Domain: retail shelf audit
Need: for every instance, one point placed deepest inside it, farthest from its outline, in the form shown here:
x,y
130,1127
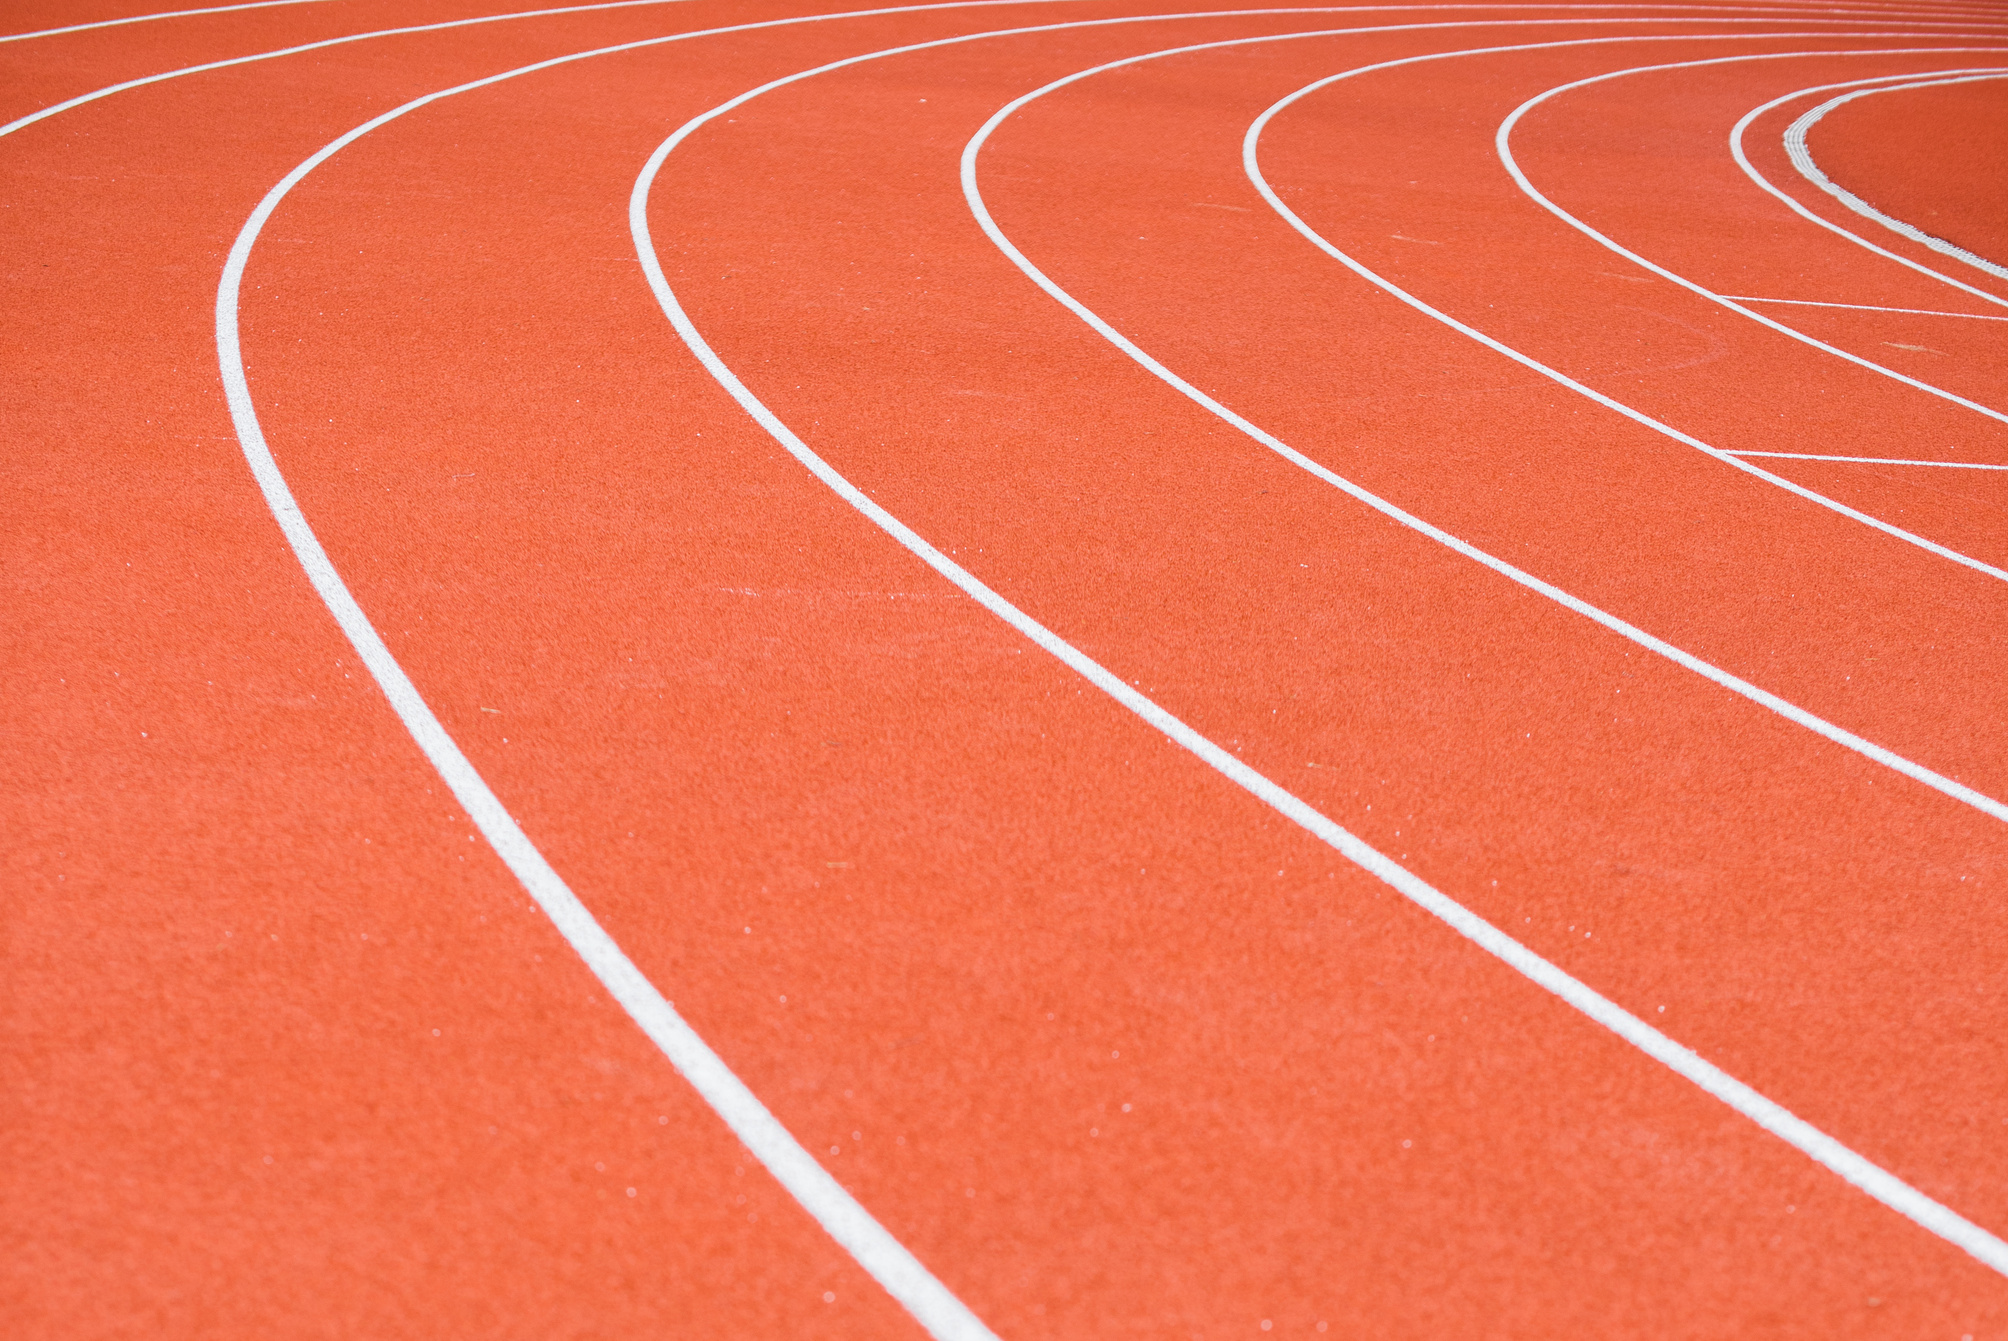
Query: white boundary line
x,y
1762,697
1875,460
149,18
1503,141
1772,1117
841,1215
1750,171
1249,161
1865,307
1802,159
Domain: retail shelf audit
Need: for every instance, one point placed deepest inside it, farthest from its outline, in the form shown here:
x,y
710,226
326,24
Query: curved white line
x,y
1503,142
83,98
1802,159
1875,460
1638,416
1877,1182
149,18
1750,171
841,1215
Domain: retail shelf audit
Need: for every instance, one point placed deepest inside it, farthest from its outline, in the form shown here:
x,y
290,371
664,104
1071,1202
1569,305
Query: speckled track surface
x,y
1592,525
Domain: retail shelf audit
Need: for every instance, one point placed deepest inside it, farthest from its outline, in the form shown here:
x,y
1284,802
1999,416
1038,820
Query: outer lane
x,y
537,292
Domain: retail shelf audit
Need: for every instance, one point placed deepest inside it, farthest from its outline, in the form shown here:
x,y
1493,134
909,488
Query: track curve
x,y
1107,1047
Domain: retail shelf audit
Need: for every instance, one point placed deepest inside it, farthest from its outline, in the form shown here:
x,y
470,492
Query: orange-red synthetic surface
x,y
1114,1048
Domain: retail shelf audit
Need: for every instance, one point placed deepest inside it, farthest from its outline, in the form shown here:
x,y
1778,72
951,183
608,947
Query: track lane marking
x,y
1750,170
1802,159
1503,142
1874,460
1865,307
1860,1172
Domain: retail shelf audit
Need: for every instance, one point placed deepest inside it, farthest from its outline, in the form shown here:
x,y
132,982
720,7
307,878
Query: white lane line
x,y
1750,170
1707,12
1802,159
1874,460
1503,142
1735,684
1865,307
150,18
1877,1182
1249,160
841,1215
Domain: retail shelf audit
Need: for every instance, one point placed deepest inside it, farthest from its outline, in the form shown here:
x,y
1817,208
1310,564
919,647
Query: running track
x,y
1270,671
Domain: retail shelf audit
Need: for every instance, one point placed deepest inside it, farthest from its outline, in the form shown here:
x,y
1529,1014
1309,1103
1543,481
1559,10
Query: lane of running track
x,y
721,702
39,18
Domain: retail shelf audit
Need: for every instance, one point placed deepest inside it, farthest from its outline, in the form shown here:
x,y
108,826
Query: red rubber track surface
x,y
1113,1048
